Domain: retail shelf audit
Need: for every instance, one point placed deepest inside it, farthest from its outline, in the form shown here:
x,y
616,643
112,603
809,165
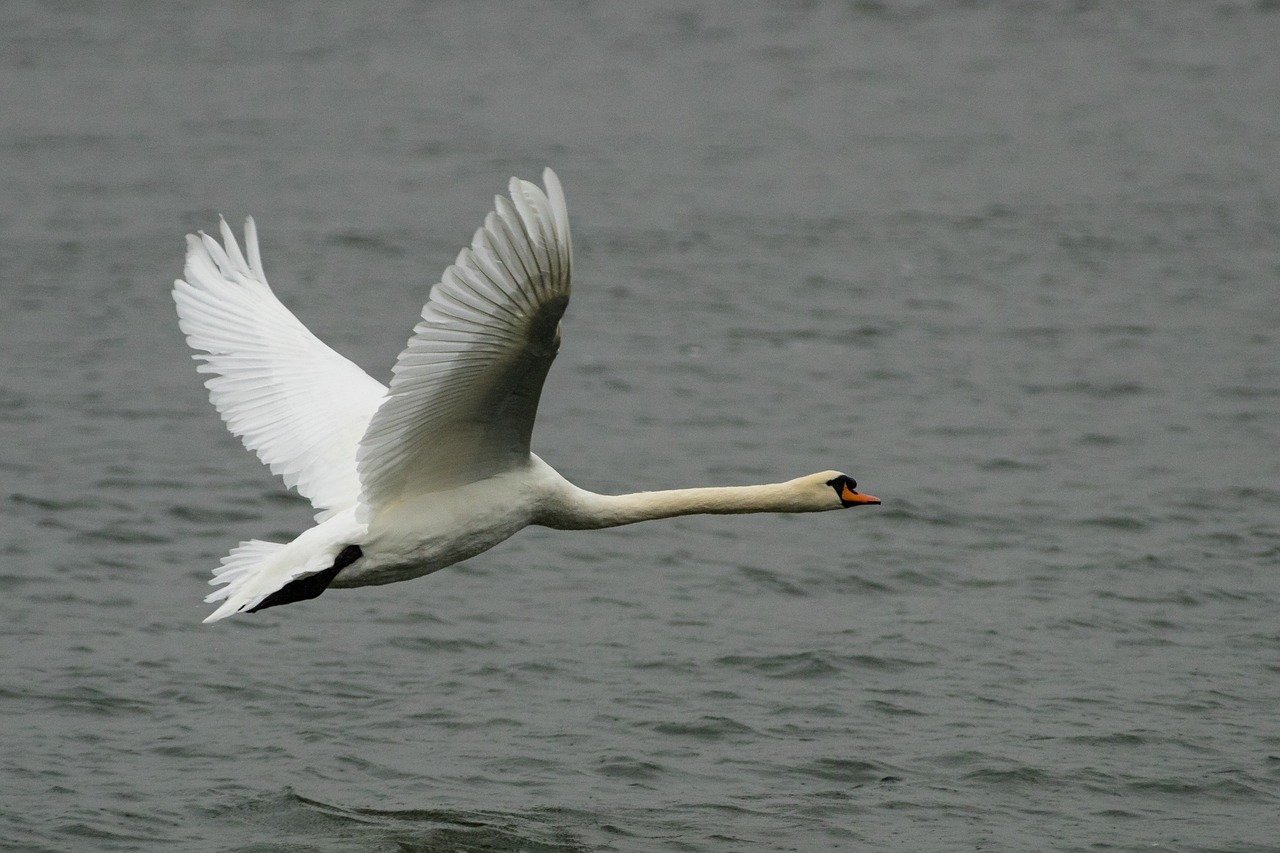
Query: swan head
x,y
843,489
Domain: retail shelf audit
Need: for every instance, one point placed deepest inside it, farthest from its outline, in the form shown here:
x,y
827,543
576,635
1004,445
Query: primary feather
x,y
464,392
300,406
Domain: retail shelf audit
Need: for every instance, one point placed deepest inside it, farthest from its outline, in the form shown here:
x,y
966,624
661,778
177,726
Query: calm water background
x,y
1016,266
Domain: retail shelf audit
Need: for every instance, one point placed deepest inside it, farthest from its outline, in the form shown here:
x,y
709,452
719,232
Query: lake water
x,y
1015,266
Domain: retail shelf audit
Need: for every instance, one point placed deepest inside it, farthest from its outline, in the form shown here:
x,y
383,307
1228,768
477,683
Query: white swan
x,y
437,468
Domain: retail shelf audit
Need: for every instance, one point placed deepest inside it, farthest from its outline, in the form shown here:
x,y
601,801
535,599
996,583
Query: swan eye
x,y
838,483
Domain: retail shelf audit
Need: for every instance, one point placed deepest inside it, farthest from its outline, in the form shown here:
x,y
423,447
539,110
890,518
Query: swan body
x,y
435,468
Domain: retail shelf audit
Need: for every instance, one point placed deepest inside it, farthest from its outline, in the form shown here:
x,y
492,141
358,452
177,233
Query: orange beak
x,y
849,496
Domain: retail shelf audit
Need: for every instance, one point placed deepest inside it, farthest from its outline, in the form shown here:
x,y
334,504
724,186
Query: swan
x,y
437,467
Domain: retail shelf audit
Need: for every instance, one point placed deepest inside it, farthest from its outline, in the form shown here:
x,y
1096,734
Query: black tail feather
x,y
312,585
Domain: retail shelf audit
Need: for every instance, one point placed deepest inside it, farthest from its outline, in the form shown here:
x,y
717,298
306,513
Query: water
x,y
1014,266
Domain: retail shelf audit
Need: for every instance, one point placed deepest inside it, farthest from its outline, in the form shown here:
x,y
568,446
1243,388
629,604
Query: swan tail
x,y
241,577
259,574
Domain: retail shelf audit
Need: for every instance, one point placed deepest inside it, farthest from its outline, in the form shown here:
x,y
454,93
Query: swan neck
x,y
583,510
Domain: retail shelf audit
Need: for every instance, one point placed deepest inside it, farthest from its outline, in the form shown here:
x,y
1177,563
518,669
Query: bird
x,y
435,467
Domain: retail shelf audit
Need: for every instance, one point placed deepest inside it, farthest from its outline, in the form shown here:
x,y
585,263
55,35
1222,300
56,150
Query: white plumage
x,y
437,467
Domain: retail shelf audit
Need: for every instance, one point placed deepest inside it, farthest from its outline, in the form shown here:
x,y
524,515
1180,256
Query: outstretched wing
x,y
465,391
296,403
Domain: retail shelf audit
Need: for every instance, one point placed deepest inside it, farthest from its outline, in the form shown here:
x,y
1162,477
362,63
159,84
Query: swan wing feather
x,y
465,390
297,404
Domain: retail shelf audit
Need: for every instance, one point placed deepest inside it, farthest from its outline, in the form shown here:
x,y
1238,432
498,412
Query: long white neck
x,y
579,509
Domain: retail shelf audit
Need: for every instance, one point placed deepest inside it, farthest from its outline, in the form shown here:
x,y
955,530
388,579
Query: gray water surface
x,y
1014,266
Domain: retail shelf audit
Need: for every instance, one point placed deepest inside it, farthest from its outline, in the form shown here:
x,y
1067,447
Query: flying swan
x,y
437,467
